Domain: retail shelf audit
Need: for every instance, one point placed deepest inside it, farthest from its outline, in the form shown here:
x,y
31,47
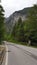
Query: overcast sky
x,y
14,5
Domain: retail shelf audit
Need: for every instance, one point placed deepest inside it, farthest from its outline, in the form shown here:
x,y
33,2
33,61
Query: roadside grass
x,y
33,46
11,39
20,43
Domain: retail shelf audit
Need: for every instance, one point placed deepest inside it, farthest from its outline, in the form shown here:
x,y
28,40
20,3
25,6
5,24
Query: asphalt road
x,y
18,56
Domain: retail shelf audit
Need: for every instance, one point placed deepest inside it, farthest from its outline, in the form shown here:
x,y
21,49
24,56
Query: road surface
x,y
19,56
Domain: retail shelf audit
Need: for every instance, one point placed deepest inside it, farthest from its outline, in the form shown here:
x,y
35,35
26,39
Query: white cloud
x,y
12,5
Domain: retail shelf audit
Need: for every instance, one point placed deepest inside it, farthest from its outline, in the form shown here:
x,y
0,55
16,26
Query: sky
x,y
11,6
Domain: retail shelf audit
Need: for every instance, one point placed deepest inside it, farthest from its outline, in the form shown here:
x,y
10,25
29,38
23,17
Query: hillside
x,y
10,21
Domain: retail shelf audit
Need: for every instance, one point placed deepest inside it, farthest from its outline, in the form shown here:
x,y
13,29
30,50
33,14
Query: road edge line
x,y
6,61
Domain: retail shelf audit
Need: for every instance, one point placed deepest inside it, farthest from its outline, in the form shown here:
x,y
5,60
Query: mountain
x,y
10,21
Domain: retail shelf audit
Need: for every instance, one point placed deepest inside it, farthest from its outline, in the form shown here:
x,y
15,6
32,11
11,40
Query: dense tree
x,y
31,24
18,30
27,30
1,24
18,26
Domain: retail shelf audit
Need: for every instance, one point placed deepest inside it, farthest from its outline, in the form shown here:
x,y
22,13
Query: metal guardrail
x,y
2,54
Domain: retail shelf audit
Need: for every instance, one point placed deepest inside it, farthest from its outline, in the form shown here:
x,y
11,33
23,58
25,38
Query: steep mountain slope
x,y
10,21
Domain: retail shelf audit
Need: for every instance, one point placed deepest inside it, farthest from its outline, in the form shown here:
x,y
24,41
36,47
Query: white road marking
x,y
6,63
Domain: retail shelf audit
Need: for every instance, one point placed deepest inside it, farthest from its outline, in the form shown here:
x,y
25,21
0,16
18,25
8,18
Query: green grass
x,y
9,39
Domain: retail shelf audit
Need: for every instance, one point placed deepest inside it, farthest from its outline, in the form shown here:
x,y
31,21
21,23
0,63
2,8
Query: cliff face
x,y
10,21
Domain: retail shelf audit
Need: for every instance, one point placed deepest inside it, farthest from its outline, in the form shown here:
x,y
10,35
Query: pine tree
x,y
31,24
1,24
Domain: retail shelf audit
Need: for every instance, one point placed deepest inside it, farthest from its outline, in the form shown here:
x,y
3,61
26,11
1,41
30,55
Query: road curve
x,y
16,56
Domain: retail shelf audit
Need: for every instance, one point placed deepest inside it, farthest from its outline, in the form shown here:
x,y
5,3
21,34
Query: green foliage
x,y
18,30
34,22
30,27
1,24
27,30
